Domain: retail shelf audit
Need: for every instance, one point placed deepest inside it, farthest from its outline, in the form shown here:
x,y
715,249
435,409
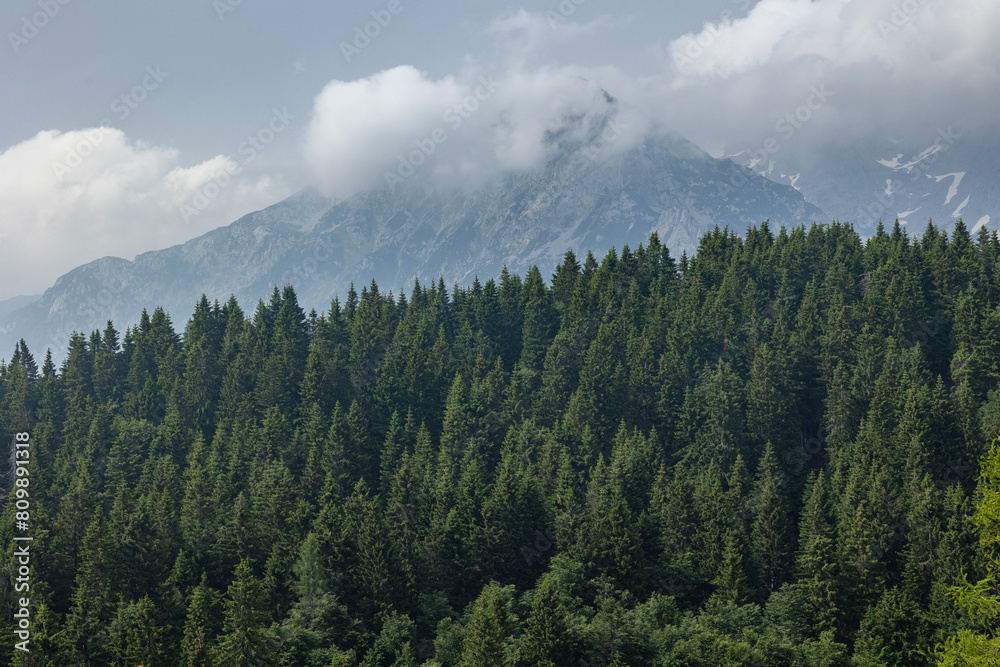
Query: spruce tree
x,y
547,642
815,560
769,537
242,642
491,626
981,645
199,627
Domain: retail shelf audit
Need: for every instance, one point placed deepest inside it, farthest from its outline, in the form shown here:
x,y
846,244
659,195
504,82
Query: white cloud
x,y
893,67
72,197
359,127
915,38
402,125
880,65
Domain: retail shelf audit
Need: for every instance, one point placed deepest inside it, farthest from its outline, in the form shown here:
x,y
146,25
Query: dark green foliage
x,y
765,454
242,642
547,638
491,626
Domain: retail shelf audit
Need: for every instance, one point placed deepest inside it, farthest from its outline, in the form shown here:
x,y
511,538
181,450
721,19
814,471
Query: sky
x,y
127,127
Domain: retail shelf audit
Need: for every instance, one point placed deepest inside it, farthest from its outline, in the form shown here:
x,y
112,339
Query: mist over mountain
x,y
586,198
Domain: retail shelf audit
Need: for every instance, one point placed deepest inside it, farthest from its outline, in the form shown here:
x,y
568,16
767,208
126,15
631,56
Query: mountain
x,y
15,303
945,176
584,199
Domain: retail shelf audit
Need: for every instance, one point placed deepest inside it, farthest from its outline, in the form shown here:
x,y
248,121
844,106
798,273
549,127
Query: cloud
x,y
72,197
894,67
359,127
915,38
400,125
882,67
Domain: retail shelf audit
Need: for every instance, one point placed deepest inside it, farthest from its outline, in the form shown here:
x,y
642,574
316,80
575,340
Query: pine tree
x,y
392,450
287,351
199,626
145,638
979,599
767,407
394,645
891,632
242,643
815,561
769,538
197,515
457,426
490,628
85,636
731,582
540,321
612,540
547,642
722,436
564,281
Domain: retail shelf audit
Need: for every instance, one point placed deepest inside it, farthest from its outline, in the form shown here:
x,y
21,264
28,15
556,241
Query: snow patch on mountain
x,y
946,174
896,165
953,190
958,211
792,180
893,163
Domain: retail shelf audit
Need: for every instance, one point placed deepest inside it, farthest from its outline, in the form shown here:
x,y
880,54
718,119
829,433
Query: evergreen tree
x,y
547,642
199,627
354,478
242,643
816,558
539,321
981,645
770,541
491,626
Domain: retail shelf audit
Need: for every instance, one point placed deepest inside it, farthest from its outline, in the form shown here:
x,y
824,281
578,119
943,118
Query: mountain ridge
x,y
582,200
949,175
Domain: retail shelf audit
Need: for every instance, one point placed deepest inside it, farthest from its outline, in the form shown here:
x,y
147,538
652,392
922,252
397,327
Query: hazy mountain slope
x,y
581,201
13,304
945,177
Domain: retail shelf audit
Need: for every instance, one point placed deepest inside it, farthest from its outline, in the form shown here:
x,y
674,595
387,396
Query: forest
x,y
774,452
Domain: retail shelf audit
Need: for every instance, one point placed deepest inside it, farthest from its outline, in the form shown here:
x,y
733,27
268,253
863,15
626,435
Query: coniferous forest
x,y
771,453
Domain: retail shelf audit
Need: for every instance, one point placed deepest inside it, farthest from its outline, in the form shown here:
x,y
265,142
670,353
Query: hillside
x,y
766,455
